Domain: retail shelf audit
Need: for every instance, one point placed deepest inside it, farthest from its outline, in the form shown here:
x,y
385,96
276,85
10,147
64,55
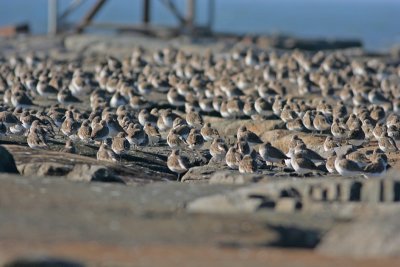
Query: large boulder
x,y
7,162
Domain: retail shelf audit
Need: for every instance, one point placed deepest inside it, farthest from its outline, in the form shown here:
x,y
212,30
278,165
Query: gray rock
x,y
229,177
372,235
7,162
93,173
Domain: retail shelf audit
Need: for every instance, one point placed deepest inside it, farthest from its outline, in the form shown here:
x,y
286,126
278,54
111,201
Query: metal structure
x,y
187,22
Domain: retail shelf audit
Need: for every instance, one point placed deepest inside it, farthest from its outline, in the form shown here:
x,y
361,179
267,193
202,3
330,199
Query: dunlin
x,y
45,89
145,117
152,133
377,168
175,140
105,153
302,165
232,158
177,163
247,164
296,125
85,131
70,126
120,145
100,131
195,140
65,97
308,153
218,149
386,143
242,146
347,167
330,144
194,119
36,140
330,162
137,136
209,133
272,154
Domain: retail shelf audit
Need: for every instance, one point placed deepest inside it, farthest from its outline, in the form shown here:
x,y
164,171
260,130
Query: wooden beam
x,y
90,15
190,13
174,11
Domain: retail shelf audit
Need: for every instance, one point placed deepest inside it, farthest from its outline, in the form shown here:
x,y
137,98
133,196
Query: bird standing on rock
x,y
177,163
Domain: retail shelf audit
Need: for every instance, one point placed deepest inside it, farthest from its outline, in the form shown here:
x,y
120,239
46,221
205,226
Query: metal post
x,y
191,13
146,11
52,26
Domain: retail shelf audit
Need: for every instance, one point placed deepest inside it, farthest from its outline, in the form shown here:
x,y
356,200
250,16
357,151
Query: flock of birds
x,y
354,102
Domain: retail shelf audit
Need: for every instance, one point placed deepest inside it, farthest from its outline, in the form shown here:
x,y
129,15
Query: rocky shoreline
x,y
66,209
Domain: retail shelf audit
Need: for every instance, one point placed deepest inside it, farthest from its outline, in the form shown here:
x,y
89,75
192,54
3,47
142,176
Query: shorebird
x,y
379,129
329,144
105,153
288,114
65,97
296,125
152,133
120,145
175,140
100,131
247,135
21,99
302,149
85,131
145,117
232,158
272,154
376,168
358,157
177,163
137,136
302,165
308,120
8,119
218,149
247,164
347,167
337,129
208,132
45,89
36,140
194,119
356,137
386,143
321,123
117,100
194,140
243,146
263,107
70,126
175,99
330,162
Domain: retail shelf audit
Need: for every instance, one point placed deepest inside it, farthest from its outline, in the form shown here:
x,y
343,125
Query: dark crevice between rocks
x,y
355,191
288,237
295,237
